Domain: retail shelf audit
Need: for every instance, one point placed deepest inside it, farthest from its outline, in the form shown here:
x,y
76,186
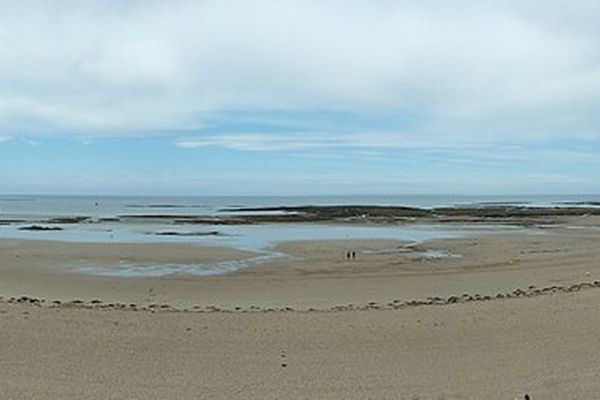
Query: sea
x,y
21,211
33,206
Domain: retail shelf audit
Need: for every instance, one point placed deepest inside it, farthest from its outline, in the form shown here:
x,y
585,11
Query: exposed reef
x,y
186,234
39,228
489,214
483,214
68,220
11,221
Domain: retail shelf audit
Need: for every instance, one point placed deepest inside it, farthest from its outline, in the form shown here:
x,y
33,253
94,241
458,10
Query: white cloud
x,y
468,69
302,141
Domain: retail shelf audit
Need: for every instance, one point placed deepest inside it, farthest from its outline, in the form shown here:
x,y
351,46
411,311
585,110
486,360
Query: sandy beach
x,y
504,349
313,275
493,316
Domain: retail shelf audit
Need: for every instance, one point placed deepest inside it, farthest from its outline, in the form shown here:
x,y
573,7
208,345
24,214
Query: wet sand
x,y
508,315
315,275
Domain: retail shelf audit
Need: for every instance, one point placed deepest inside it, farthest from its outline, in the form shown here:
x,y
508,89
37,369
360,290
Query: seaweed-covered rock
x,y
40,228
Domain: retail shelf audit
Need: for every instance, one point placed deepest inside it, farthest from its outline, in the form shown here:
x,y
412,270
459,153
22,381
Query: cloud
x,y
394,148
474,72
303,141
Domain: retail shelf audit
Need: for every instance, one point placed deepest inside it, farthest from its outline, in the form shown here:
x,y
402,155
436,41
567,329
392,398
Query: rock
x,y
39,228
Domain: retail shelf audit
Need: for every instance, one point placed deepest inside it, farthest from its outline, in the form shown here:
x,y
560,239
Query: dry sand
x,y
381,348
543,346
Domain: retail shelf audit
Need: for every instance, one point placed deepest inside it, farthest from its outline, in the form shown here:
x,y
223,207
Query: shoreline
x,y
312,275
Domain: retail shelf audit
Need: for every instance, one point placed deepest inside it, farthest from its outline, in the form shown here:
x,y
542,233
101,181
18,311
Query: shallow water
x,y
127,270
258,238
246,237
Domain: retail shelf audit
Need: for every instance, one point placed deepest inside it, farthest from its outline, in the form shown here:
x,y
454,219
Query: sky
x,y
300,97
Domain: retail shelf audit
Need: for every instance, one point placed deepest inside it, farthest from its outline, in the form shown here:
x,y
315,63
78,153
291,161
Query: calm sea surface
x,y
19,206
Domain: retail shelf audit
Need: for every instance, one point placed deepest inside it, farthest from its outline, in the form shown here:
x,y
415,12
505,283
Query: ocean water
x,y
31,206
259,238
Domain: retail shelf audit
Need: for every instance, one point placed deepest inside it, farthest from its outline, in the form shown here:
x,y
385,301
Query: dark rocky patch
x,y
507,214
39,228
333,212
109,219
514,212
580,203
67,220
11,221
522,215
187,234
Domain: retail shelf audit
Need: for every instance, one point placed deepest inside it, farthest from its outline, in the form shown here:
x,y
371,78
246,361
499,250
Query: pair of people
x,y
350,255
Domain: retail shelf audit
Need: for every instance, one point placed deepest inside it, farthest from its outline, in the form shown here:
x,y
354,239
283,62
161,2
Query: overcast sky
x,y
300,97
